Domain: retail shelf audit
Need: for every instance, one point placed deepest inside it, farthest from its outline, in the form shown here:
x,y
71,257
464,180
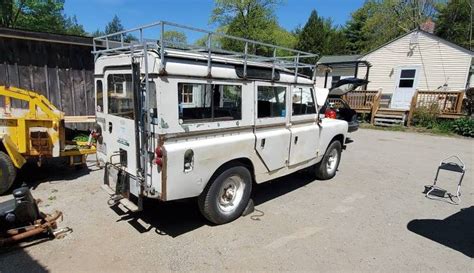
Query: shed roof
x,y
45,36
336,59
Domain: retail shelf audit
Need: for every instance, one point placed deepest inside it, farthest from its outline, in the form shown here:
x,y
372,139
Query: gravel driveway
x,y
371,217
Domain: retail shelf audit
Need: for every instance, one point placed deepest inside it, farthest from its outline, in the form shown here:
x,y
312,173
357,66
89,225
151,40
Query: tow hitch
x,y
20,218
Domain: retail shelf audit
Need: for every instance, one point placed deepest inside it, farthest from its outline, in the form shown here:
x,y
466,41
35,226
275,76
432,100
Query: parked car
x,y
222,125
337,108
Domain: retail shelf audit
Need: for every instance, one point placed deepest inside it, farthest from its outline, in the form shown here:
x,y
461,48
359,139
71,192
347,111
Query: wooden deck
x,y
447,103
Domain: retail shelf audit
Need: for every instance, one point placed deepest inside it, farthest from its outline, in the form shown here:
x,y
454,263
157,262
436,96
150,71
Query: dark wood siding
x,y
61,71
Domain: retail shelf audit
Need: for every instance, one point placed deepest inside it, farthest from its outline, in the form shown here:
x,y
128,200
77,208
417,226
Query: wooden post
x,y
375,106
414,100
459,102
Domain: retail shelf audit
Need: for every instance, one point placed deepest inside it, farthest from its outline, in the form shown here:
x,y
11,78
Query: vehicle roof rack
x,y
252,53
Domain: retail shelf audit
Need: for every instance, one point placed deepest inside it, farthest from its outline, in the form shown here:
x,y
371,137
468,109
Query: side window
x,y
303,101
120,95
271,101
100,96
209,102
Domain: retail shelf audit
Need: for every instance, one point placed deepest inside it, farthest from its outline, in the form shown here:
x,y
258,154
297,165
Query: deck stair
x,y
390,117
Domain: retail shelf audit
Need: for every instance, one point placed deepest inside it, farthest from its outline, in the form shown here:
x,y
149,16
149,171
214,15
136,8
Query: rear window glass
x,y
100,96
120,95
209,102
271,101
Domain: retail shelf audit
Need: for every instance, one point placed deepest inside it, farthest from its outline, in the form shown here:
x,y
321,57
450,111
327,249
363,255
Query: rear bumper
x,y
353,126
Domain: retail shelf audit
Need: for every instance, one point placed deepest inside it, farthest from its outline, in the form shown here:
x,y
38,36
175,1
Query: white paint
x,y
215,143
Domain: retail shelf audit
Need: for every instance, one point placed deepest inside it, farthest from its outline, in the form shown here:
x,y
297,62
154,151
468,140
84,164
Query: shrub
x,y
464,127
426,116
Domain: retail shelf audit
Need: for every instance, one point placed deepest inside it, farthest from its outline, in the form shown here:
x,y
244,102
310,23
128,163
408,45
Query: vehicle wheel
x,y
225,197
326,169
7,173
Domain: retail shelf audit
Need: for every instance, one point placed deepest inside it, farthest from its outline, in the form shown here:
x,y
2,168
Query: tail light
x,y
159,156
330,113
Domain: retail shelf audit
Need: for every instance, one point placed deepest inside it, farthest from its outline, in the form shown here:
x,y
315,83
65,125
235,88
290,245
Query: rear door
x,y
303,125
272,135
119,133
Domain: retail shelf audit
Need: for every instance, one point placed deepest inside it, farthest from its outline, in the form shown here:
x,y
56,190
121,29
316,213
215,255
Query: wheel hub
x,y
231,193
332,161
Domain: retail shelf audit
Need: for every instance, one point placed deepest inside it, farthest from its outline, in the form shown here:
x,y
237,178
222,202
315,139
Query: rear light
x,y
330,113
159,156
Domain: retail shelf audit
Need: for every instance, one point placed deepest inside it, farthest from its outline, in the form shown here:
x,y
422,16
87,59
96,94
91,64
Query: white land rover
x,y
177,121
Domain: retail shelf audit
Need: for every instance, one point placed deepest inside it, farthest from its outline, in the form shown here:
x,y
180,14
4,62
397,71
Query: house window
x,y
209,102
302,101
271,102
407,78
187,93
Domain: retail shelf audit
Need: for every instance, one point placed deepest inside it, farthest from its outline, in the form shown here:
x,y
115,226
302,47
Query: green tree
x,y
379,21
250,19
454,23
175,38
114,26
38,15
320,36
356,35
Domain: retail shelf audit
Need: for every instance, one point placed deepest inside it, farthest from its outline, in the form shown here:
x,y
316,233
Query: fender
x,y
17,159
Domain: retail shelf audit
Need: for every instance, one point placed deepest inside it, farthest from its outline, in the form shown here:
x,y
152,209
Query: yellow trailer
x,y
34,131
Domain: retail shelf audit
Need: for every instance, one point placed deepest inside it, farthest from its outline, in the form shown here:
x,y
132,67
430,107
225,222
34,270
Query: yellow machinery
x,y
35,130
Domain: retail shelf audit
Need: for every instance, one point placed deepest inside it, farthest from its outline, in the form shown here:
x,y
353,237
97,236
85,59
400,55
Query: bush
x,y
464,127
426,116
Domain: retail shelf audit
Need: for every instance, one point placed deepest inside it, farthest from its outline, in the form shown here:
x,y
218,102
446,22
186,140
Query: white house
x,y
416,60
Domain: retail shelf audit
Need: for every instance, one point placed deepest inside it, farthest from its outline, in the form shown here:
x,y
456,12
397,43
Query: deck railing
x,y
447,104
362,101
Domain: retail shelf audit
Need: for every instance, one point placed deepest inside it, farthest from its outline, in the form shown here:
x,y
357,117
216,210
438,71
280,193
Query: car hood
x,y
346,85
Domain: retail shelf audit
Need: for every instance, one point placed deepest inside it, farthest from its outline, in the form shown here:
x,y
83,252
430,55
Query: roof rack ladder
x,y
146,115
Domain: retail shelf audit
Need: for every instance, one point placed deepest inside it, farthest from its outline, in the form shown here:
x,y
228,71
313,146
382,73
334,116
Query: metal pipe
x,y
162,48
245,60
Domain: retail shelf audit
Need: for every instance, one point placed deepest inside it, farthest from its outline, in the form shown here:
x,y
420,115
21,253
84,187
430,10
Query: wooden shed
x,y
61,67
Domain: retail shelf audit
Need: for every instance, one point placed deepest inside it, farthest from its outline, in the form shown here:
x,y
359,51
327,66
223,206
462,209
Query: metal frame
x,y
292,61
435,192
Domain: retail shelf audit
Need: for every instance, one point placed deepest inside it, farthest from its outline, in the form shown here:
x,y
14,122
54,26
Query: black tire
x,y
322,169
212,200
7,173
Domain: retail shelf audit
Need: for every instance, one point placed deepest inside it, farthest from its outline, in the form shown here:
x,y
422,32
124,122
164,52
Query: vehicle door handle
x,y
110,127
296,139
262,143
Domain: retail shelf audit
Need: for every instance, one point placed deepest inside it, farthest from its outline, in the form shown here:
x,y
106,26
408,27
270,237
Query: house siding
x,y
439,63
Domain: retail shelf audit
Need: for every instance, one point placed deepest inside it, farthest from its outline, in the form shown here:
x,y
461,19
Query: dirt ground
x,y
371,217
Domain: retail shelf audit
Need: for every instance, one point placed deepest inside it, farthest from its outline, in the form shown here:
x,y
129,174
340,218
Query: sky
x,y
95,14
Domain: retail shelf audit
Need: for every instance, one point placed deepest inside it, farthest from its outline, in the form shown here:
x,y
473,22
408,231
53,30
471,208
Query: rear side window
x,y
271,101
100,96
120,95
209,102
302,101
